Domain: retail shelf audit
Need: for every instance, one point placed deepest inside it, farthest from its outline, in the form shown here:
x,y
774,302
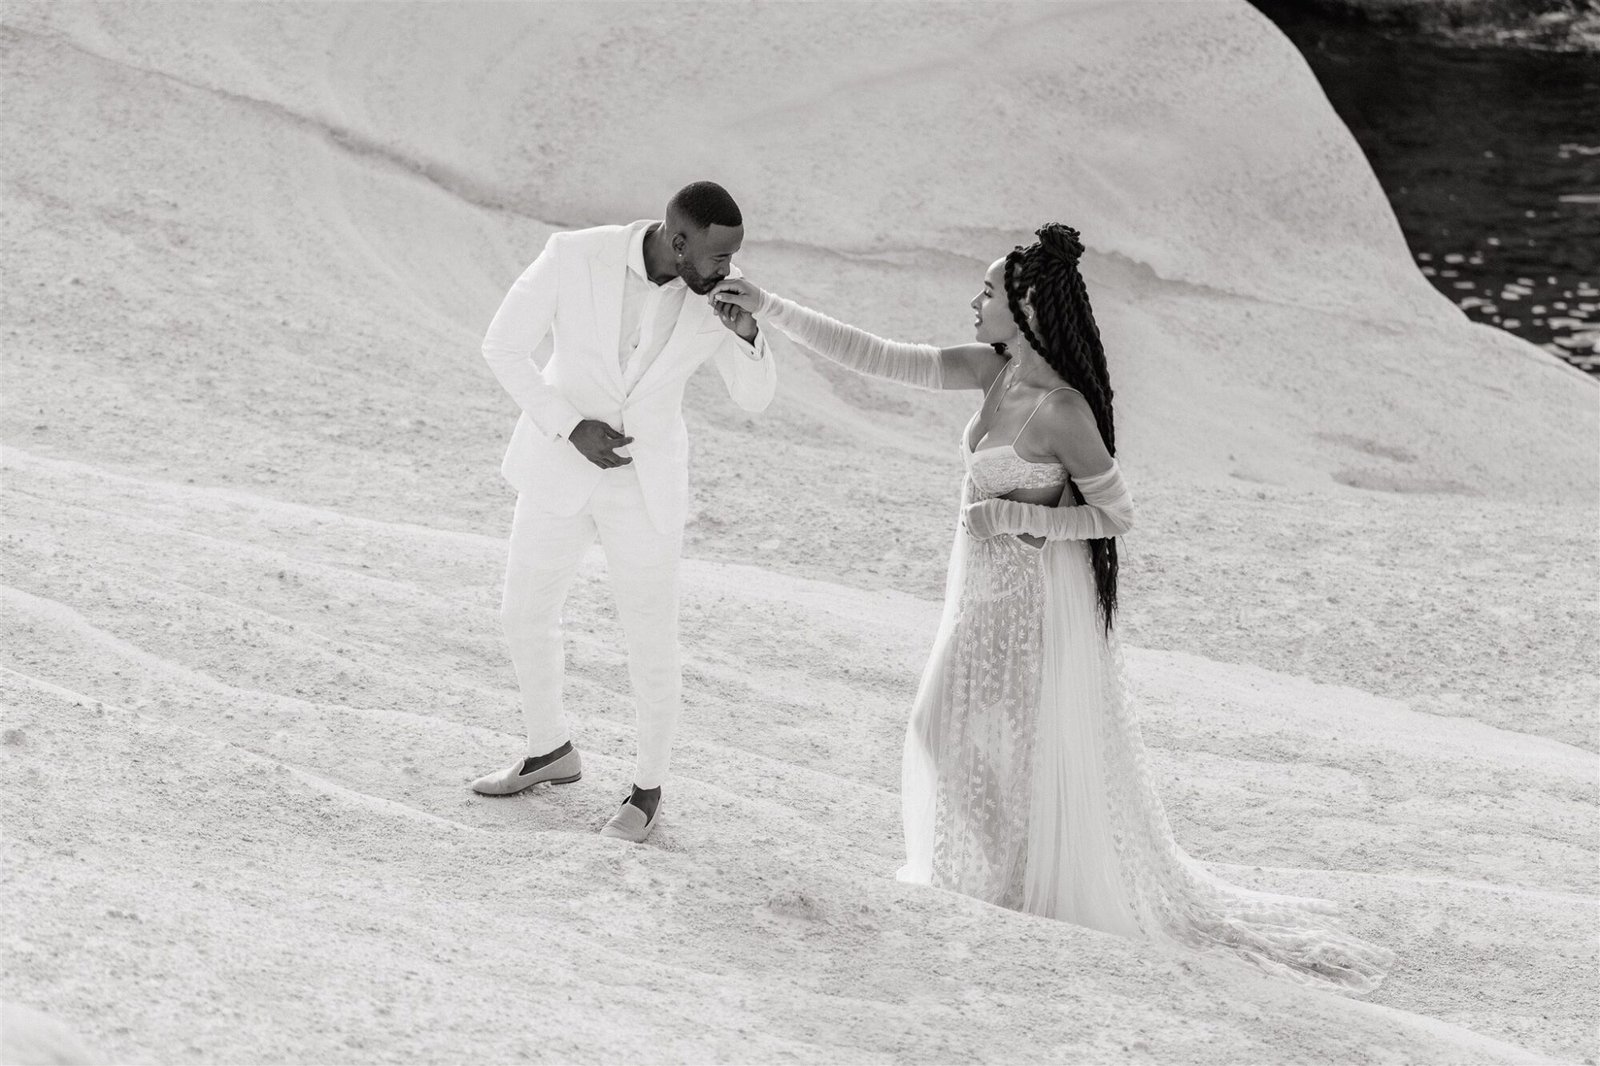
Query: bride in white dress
x,y
1025,781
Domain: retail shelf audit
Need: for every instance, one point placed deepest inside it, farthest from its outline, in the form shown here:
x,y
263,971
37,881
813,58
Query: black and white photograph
x,y
800,531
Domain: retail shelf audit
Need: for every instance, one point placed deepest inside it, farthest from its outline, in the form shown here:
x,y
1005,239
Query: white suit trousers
x,y
544,555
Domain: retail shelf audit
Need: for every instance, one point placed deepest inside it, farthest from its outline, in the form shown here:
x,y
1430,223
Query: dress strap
x,y
1035,411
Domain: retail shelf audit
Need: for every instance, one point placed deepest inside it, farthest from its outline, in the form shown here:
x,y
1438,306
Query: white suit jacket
x,y
572,295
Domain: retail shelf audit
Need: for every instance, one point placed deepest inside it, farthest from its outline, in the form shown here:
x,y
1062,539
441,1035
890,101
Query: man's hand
x,y
735,301
598,443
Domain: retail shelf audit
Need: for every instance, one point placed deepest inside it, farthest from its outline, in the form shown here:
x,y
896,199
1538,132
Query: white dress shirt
x,y
649,314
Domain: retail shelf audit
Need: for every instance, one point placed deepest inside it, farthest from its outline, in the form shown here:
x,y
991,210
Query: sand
x,y
254,533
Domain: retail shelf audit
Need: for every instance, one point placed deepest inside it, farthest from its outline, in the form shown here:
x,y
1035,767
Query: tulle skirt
x,y
1025,780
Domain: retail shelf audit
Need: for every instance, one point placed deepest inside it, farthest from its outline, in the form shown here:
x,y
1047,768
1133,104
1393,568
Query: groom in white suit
x,y
600,450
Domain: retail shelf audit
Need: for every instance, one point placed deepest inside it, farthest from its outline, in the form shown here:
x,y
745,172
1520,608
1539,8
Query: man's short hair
x,y
705,203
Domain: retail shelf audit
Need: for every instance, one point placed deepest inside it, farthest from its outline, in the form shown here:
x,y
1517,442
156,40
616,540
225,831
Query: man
x,y
601,450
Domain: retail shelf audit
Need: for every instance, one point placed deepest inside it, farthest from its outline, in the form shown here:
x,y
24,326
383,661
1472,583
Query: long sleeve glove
x,y
911,364
1107,511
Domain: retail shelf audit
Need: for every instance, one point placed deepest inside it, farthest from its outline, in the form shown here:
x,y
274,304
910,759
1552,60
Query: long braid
x,y
1020,271
1048,269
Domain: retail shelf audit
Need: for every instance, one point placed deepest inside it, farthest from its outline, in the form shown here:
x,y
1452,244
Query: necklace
x,y
997,397
1016,379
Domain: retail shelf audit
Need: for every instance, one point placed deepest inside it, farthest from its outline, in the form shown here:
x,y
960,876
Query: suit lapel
x,y
698,329
695,318
606,267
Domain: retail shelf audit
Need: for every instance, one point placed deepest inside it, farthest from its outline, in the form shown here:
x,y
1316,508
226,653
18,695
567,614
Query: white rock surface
x,y
32,1038
254,531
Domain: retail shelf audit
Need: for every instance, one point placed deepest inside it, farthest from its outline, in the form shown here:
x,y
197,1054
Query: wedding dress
x,y
1024,778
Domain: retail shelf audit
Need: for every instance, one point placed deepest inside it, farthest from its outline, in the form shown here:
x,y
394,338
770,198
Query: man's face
x,y
708,256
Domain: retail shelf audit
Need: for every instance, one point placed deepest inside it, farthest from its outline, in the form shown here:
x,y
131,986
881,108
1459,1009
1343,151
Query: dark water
x,y
1490,157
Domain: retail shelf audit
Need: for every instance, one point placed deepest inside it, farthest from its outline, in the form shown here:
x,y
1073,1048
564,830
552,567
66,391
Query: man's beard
x,y
698,283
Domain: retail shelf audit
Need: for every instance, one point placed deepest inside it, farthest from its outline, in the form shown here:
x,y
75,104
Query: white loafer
x,y
630,824
562,771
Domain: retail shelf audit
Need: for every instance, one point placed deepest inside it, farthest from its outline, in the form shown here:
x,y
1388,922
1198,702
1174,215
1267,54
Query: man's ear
x,y
679,241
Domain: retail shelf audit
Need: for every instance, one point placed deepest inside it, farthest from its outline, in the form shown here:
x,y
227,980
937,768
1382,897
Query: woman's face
x,y
991,320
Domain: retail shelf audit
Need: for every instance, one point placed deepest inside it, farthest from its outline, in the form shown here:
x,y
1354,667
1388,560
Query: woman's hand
x,y
738,292
981,519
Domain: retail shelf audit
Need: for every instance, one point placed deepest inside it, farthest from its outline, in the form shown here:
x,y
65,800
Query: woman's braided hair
x,y
1046,272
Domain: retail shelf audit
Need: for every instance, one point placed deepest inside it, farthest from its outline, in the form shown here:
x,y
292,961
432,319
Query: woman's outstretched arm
x,y
920,365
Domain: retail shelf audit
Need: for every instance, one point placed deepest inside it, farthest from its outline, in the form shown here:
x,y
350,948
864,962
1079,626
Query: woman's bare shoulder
x,y
1072,434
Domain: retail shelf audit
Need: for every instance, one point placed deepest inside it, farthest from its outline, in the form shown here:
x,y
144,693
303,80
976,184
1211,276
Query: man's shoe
x,y
562,771
630,823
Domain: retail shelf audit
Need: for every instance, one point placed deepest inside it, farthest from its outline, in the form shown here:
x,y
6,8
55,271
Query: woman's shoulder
x,y
1066,404
1070,429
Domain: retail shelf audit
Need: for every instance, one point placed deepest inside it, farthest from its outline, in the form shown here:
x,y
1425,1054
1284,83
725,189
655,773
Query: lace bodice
x,y
999,470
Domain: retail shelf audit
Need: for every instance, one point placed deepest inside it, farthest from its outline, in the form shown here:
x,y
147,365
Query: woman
x,y
1025,781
